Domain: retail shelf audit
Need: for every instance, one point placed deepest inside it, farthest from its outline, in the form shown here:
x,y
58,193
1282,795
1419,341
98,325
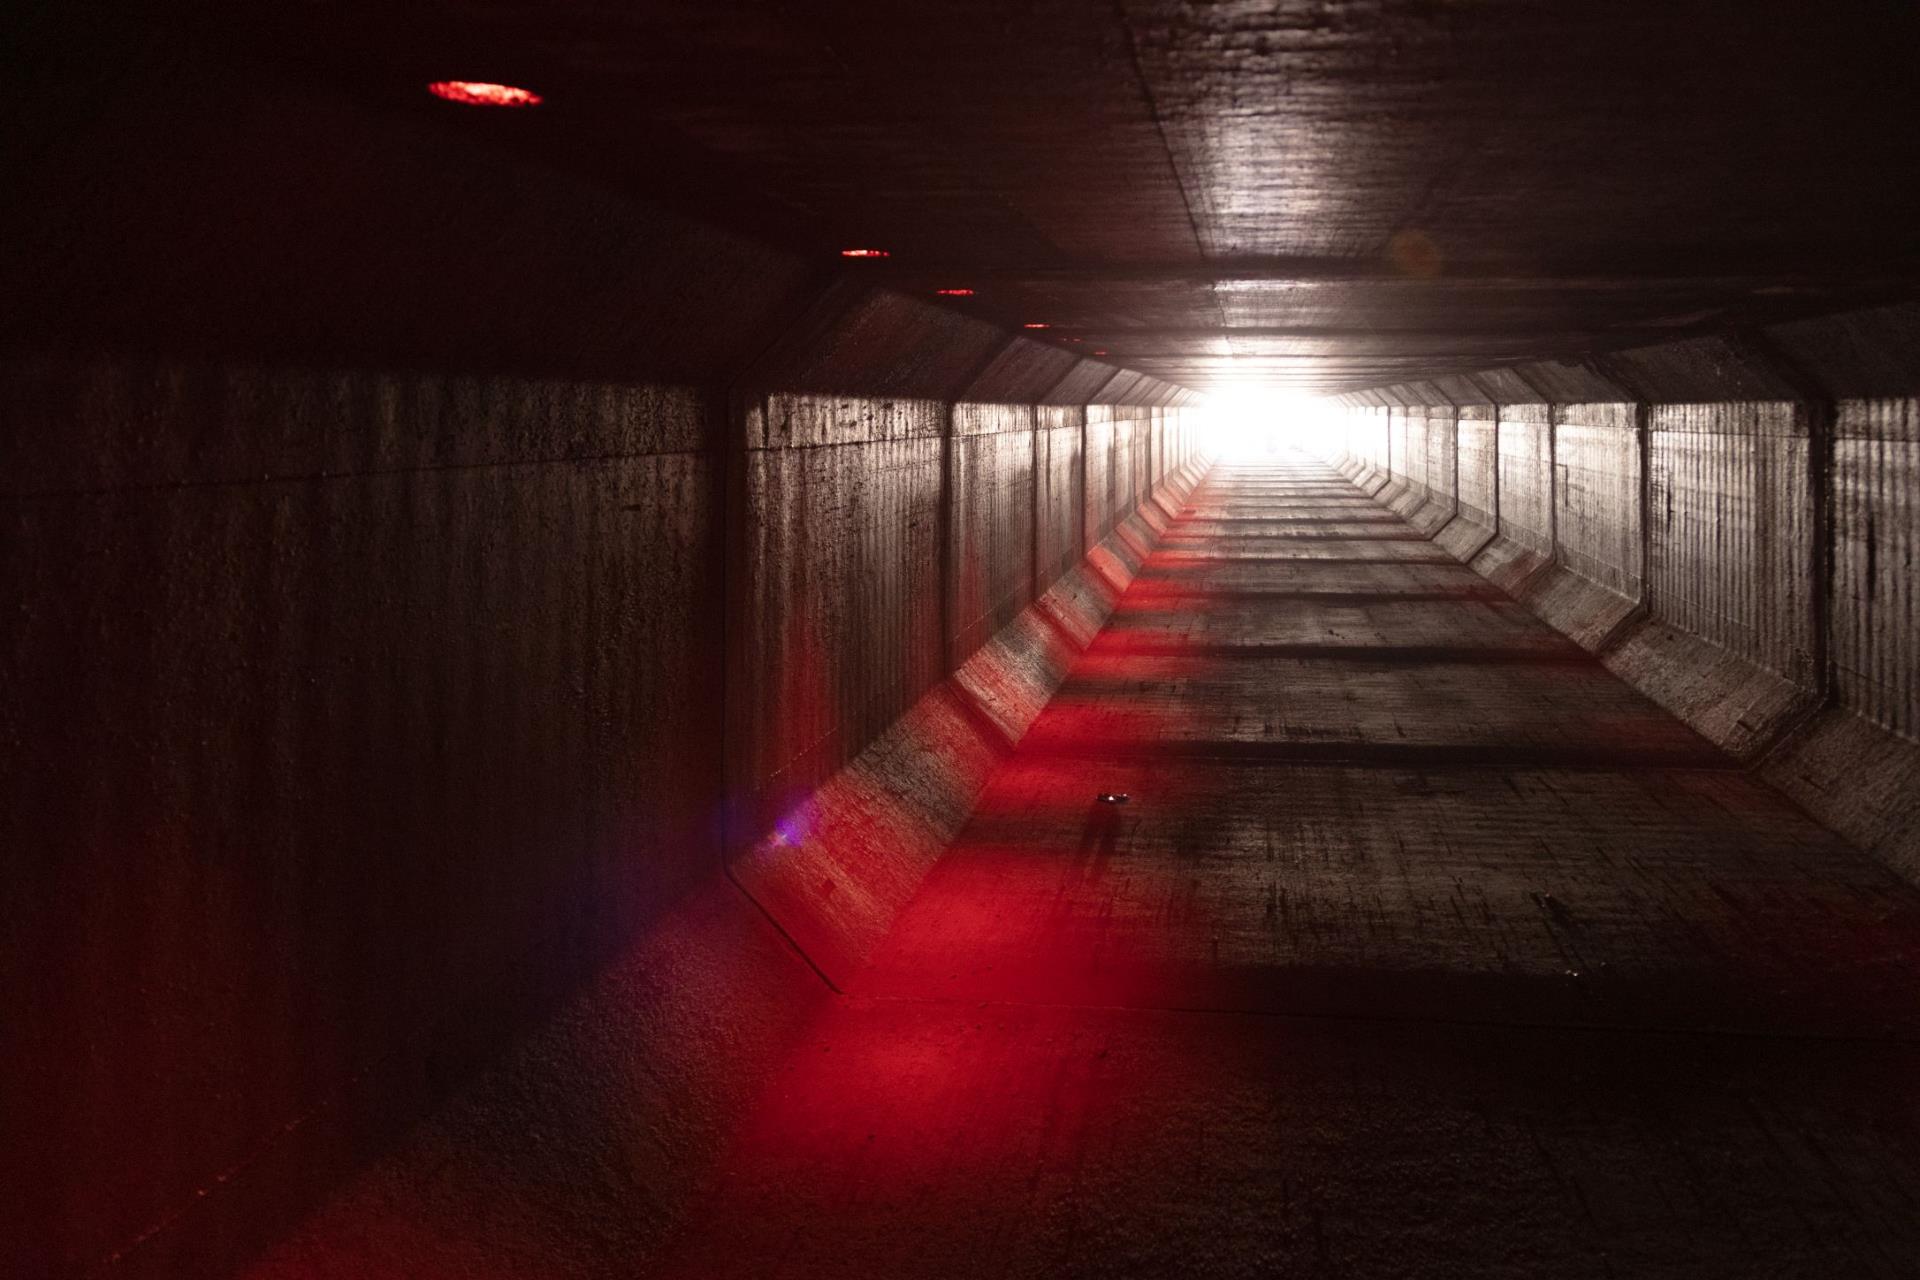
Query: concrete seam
x,y
950,658
1080,510
1817,403
1033,502
732,512
1553,469
943,551
1643,495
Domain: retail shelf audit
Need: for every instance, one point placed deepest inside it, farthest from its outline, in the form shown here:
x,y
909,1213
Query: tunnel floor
x,y
1421,946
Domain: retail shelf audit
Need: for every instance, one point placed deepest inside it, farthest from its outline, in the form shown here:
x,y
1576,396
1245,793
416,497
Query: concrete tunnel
x,y
1129,639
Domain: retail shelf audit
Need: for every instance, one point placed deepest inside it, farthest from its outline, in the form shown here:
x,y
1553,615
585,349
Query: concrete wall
x,y
426,574
1876,535
1526,488
1596,490
1060,530
1476,467
1730,522
841,594
327,759
1732,533
992,527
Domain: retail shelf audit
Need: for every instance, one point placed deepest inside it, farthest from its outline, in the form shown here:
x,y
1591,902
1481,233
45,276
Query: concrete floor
x,y
1423,946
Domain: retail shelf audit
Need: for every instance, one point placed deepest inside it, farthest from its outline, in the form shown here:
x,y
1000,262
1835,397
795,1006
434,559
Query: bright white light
x,y
1255,422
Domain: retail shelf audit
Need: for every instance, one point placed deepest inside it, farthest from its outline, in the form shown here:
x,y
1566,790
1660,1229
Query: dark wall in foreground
x,y
422,568
1730,522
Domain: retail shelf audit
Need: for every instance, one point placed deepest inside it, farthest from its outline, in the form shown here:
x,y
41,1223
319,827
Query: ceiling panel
x,y
1330,194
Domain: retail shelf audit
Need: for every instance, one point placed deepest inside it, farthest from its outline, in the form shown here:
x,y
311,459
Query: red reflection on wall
x,y
482,93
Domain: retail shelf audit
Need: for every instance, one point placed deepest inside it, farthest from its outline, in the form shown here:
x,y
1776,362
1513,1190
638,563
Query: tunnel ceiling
x,y
1326,195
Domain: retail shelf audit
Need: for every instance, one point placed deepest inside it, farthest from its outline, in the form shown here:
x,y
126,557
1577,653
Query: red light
x,y
864,253
1101,351
479,93
1036,326
954,293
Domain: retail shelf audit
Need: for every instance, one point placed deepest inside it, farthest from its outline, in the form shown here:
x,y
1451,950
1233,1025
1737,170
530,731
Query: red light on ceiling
x,y
1036,326
954,293
480,93
865,253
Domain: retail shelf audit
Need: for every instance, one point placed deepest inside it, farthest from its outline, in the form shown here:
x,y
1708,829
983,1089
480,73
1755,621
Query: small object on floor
x,y
1113,797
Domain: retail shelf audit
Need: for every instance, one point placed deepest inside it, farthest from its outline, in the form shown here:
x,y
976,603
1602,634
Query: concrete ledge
x,y
838,866
1741,708
1078,605
1427,514
1858,779
1132,542
1508,564
1433,516
1579,608
1403,497
1462,538
1179,484
1154,515
1397,489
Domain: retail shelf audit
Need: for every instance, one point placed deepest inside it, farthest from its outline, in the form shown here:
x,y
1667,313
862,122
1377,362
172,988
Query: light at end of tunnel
x,y
865,253
1247,422
954,293
482,93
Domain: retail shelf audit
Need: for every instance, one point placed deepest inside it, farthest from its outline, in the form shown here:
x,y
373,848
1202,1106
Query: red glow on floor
x,y
481,93
865,253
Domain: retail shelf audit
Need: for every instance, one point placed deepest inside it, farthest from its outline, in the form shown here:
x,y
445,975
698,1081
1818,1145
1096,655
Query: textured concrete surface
x,y
1331,196
1876,516
1729,525
579,1152
369,495
361,718
327,766
1381,969
437,538
1731,530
